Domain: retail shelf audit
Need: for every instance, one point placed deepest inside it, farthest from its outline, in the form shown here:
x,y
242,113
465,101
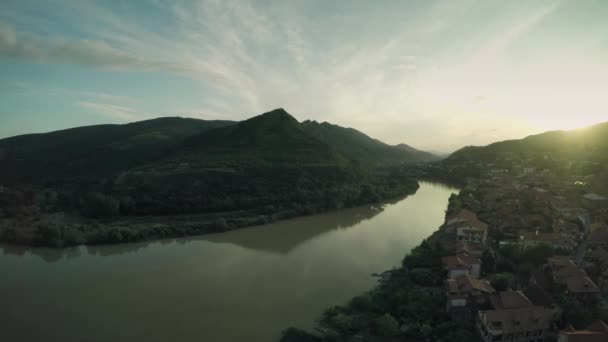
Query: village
x,y
529,254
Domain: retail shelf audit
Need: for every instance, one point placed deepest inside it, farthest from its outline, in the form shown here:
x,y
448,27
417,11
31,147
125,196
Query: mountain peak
x,y
274,117
277,113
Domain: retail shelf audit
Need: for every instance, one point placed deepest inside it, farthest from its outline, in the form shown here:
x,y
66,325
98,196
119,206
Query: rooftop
x,y
510,300
518,320
581,284
466,284
459,261
595,197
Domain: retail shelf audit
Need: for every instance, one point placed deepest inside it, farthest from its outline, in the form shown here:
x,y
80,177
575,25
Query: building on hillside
x,y
594,201
598,235
583,288
596,332
465,215
474,231
462,264
515,319
455,247
539,297
562,272
465,294
510,300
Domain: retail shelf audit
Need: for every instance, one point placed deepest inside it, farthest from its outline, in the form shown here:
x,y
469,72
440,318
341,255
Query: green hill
x,y
227,174
93,151
585,144
273,137
358,146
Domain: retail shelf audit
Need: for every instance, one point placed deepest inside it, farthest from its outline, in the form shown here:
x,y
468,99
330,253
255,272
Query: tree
x,y
488,263
297,335
386,326
98,205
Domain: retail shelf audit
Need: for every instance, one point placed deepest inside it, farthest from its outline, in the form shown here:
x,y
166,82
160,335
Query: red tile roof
x,y
460,261
581,284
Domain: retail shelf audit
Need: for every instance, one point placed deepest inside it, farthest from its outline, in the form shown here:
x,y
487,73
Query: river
x,y
244,285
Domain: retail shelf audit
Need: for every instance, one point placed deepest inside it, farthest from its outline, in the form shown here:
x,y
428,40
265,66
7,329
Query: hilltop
x,y
589,143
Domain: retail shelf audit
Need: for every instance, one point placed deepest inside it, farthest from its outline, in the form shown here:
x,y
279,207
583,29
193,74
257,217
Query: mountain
x,y
417,154
358,146
95,150
208,175
590,144
272,137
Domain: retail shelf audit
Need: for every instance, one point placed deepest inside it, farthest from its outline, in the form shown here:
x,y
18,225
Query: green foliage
x,y
342,323
488,262
502,281
576,313
98,205
297,335
425,277
386,326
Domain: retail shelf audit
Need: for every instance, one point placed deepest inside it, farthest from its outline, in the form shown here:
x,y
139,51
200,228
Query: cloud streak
x,y
112,111
81,52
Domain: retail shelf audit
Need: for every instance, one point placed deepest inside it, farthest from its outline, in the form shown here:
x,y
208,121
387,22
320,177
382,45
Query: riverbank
x,y
408,303
65,230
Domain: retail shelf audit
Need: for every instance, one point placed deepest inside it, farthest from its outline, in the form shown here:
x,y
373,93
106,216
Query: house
x,y
461,264
466,293
468,227
462,216
522,324
458,247
594,201
539,297
596,332
583,288
473,231
562,268
510,300
598,235
564,272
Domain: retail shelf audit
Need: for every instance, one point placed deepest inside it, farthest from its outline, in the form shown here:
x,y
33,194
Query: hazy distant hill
x,y
421,156
358,146
590,143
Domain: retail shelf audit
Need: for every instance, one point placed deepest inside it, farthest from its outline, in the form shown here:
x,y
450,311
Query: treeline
x,y
188,203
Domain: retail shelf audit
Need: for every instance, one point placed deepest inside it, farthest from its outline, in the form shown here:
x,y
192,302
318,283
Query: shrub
x,y
386,326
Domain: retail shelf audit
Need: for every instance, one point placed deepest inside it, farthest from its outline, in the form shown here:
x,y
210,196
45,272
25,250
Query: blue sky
x,y
434,74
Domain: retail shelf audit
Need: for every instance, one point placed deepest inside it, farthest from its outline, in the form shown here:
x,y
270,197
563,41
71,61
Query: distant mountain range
x,y
273,137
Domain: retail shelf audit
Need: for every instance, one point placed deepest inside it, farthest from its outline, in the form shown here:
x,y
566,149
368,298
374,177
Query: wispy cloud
x,y
112,111
84,52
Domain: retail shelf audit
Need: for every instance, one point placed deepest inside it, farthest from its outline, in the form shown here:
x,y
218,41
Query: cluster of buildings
x,y
524,202
527,315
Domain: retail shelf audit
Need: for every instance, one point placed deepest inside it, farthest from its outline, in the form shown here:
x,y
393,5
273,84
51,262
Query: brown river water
x,y
244,285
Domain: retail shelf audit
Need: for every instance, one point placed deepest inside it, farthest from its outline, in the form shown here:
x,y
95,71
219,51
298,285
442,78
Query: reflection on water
x,y
244,285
